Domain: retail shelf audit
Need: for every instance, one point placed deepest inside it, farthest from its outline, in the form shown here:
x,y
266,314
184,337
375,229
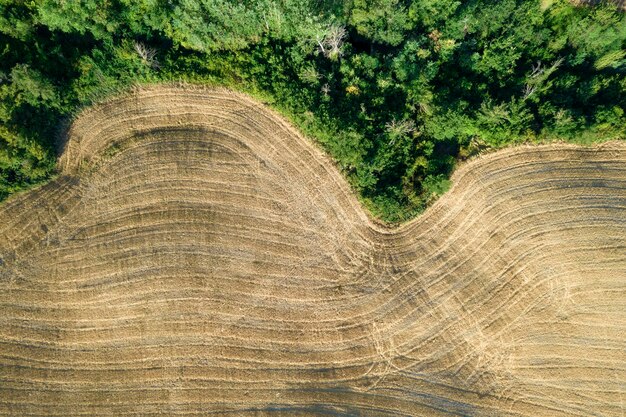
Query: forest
x,y
396,91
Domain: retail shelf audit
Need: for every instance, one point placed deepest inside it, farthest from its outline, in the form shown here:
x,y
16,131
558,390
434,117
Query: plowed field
x,y
197,256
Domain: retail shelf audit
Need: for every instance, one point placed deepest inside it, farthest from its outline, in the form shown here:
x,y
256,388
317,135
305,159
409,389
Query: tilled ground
x,y
197,256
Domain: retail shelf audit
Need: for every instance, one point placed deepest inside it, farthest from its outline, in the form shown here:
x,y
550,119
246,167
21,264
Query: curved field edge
x,y
264,101
397,213
314,132
305,130
196,244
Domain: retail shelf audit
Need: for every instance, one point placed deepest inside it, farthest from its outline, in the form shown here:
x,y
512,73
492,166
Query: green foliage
x,y
380,21
78,16
433,14
16,19
29,86
207,25
395,90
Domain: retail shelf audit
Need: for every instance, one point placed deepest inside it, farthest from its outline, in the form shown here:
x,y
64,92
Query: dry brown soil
x,y
198,256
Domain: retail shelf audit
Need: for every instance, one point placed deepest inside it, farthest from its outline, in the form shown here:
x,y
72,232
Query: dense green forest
x,y
396,91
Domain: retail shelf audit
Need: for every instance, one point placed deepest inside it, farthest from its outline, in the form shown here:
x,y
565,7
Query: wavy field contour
x,y
197,256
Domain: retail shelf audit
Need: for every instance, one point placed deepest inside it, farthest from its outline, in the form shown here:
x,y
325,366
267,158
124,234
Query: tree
x,y
380,21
